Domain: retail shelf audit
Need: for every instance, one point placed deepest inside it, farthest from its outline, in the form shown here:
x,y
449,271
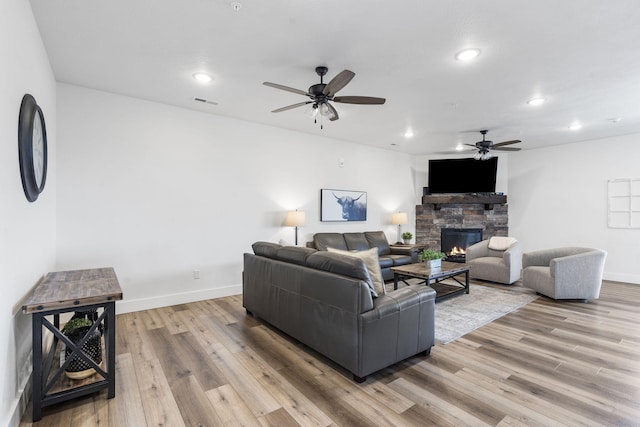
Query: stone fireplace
x,y
489,213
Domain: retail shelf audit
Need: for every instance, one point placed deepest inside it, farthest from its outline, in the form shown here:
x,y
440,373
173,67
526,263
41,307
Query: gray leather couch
x,y
388,255
323,300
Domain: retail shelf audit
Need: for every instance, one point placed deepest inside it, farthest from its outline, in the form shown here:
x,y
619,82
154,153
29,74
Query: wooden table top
x,y
74,288
420,270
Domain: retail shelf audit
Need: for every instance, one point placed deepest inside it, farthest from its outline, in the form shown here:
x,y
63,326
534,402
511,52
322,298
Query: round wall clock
x,y
32,148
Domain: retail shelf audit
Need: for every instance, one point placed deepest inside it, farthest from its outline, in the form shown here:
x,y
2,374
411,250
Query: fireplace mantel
x,y
488,200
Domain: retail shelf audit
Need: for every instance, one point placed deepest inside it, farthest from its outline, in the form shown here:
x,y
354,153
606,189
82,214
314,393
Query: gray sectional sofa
x,y
389,256
324,300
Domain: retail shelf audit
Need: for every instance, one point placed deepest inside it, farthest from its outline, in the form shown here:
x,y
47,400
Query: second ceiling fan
x,y
484,147
322,94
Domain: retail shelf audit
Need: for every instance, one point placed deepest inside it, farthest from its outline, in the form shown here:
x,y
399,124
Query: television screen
x,y
462,175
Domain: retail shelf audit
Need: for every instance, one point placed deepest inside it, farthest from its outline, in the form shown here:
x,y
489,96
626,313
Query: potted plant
x,y
75,329
432,258
407,236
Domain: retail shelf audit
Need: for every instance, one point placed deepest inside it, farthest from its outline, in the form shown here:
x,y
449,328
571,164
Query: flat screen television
x,y
462,175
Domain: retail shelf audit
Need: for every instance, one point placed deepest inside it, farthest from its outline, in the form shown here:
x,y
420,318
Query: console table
x,y
62,292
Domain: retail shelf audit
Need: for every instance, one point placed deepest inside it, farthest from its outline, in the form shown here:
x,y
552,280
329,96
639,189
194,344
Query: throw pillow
x,y
500,243
371,261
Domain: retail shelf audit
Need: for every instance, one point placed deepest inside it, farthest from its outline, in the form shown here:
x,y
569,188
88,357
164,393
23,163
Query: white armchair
x,y
564,273
498,259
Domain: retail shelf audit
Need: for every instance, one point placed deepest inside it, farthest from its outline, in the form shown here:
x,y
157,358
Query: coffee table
x,y
449,270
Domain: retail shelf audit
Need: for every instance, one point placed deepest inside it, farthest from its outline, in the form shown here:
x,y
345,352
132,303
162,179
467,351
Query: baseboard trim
x,y
20,403
128,306
618,277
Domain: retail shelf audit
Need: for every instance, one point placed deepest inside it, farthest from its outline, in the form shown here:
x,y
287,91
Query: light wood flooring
x,y
209,364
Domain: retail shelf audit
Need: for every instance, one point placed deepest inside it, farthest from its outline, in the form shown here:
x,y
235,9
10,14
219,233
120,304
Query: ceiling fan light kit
x,y
482,155
322,94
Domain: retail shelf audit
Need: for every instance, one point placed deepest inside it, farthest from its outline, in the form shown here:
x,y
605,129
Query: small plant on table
x,y
432,258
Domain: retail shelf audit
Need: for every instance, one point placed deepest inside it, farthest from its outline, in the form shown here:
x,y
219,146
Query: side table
x,y
62,292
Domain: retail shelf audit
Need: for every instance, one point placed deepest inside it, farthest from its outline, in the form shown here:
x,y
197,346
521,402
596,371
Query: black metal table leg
x,y
110,326
466,281
36,329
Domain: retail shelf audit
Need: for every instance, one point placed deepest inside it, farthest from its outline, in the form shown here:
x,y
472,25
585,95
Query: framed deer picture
x,y
343,205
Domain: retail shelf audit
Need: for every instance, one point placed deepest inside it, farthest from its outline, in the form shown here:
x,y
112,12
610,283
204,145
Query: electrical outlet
x,y
196,274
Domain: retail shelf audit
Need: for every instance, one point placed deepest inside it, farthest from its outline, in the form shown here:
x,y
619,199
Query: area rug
x,y
461,314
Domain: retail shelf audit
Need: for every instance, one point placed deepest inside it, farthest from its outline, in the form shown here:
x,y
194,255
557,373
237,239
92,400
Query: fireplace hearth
x,y
455,241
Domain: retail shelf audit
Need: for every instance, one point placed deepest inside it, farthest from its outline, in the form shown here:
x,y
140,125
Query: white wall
x,y
558,197
27,230
157,192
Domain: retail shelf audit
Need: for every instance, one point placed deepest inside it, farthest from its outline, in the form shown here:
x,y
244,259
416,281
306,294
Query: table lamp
x,y
399,218
295,219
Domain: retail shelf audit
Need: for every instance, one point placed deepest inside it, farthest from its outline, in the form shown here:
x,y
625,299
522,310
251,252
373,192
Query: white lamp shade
x,y
295,219
399,218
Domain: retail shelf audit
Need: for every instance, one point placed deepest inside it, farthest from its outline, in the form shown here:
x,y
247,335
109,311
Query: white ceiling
x,y
583,56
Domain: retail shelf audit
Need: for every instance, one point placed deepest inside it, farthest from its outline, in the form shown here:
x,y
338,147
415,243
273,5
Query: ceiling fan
x,y
320,94
484,147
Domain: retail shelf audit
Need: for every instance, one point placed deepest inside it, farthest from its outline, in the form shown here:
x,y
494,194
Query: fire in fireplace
x,y
455,241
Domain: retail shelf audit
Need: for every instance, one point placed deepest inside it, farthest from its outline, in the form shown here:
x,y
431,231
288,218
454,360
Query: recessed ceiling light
x,y
459,147
575,126
202,77
615,119
409,134
536,101
467,54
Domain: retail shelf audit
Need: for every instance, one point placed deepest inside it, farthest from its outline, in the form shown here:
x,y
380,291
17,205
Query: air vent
x,y
205,101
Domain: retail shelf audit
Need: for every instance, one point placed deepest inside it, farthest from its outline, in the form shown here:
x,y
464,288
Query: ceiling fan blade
x,y
506,148
334,113
473,145
289,107
368,100
500,144
338,82
287,88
